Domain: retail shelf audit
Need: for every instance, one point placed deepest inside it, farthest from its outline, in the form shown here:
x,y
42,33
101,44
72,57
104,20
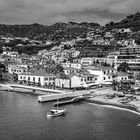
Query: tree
x,y
58,69
113,65
15,77
105,64
123,67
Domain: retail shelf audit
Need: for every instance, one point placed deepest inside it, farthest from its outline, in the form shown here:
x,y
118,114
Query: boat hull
x,y
57,113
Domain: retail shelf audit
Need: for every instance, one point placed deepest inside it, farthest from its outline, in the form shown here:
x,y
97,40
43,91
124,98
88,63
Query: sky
x,y
51,11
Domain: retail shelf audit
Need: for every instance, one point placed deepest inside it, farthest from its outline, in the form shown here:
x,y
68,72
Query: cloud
x,y
51,11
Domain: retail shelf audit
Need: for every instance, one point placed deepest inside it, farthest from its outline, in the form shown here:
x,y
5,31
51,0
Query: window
x,y
104,78
85,80
20,77
122,78
33,78
125,78
95,79
108,77
46,79
81,79
39,79
28,78
104,72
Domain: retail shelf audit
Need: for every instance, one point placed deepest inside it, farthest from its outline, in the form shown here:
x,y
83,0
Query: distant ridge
x,y
43,32
132,21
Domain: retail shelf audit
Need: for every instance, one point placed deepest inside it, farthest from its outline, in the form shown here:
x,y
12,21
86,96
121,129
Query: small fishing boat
x,y
56,112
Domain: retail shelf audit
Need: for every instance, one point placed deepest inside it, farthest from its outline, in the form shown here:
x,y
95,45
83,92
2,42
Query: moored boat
x,y
56,112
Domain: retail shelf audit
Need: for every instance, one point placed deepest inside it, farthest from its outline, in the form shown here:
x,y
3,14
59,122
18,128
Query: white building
x,y
11,53
69,70
105,74
73,65
76,80
87,61
17,68
37,76
122,76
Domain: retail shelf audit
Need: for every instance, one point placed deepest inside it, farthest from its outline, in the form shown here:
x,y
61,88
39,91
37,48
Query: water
x,y
23,118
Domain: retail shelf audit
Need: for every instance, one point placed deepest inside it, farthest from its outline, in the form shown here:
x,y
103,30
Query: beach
x,y
99,97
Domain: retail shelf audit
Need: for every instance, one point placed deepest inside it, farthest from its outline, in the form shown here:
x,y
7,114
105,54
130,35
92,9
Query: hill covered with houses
x,y
90,39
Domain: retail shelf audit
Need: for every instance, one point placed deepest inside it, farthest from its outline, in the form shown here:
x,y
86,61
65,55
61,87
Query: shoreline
x,y
98,97
123,106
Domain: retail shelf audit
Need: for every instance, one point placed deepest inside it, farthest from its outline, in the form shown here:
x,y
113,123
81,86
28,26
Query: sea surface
x,y
23,118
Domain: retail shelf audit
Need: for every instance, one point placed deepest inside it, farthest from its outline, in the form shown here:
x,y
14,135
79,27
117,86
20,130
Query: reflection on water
x,y
22,117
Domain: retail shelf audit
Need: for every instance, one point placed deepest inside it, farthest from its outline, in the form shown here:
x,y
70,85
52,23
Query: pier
x,y
63,95
74,100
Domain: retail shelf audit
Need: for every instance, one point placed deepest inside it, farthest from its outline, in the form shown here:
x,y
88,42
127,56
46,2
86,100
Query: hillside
x,y
132,21
56,31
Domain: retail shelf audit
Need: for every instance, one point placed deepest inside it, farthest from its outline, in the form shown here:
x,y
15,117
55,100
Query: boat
x,y
56,112
124,100
138,124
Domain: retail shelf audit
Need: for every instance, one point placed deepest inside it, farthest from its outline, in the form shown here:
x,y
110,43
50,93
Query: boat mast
x,y
57,104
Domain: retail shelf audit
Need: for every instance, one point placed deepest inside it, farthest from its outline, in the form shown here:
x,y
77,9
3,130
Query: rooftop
x,y
38,72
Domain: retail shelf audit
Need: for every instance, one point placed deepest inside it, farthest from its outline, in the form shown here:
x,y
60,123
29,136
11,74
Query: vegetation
x,y
132,21
124,67
54,69
54,32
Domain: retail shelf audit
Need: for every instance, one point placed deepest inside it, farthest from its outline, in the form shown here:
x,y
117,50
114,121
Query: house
x,y
16,59
10,53
38,76
123,76
76,80
87,61
69,70
17,68
73,65
105,74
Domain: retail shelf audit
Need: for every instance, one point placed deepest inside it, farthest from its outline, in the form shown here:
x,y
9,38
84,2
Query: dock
x,y
63,95
74,100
